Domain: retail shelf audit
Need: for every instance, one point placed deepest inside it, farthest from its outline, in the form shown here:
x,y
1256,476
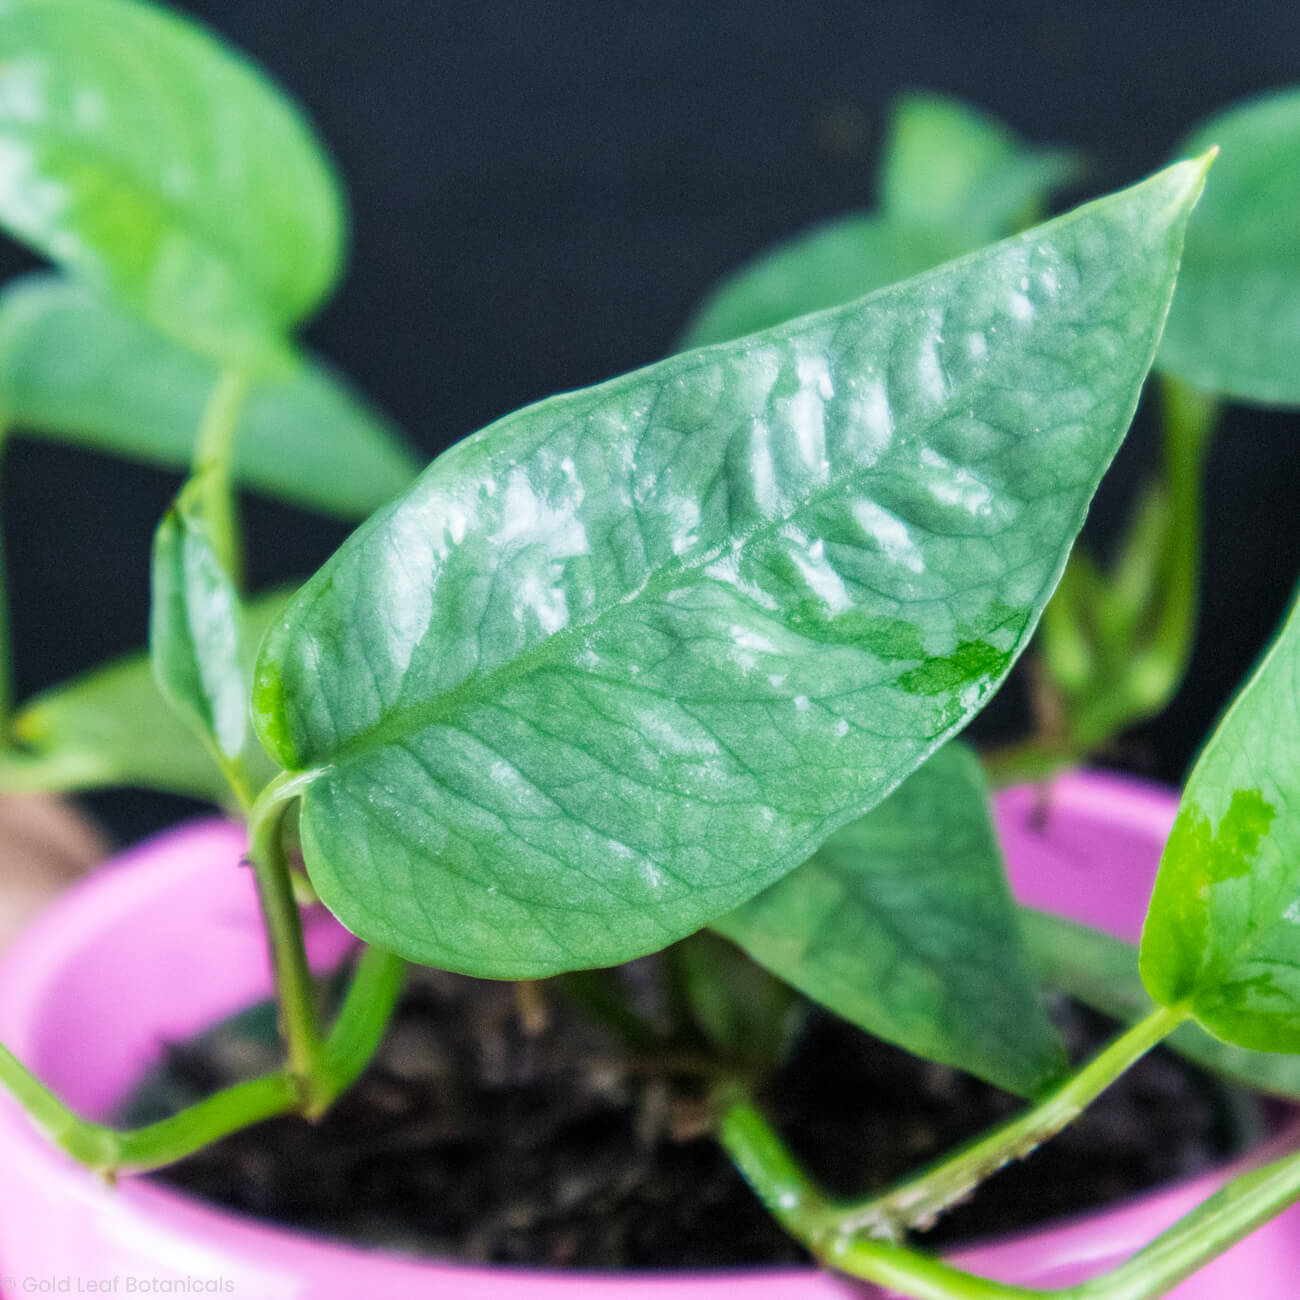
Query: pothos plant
x,y
687,651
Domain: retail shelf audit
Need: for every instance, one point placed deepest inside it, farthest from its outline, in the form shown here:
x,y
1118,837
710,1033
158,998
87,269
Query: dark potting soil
x,y
472,1137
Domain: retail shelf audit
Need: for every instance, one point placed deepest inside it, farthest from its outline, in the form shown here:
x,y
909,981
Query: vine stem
x,y
351,1044
803,1209
368,1007
295,988
1239,1207
1190,419
1149,608
919,1200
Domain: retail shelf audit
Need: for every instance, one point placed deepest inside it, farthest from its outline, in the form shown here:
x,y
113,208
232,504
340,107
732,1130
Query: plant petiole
x,y
348,1049
295,989
359,1028
803,1209
919,1200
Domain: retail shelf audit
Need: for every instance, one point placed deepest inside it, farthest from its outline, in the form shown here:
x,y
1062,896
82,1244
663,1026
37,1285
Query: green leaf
x,y
74,368
196,628
830,264
146,157
1102,972
625,658
947,164
903,923
112,727
1222,935
952,181
1234,328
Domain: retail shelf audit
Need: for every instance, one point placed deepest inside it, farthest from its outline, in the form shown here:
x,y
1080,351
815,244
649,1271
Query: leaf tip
x,y
1189,176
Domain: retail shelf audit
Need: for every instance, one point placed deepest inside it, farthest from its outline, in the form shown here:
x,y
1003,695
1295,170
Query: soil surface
x,y
473,1137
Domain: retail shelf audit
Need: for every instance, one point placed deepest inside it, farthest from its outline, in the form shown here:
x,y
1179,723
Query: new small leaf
x,y
195,630
1222,935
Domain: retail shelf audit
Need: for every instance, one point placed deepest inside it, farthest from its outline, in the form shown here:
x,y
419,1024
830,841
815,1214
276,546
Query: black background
x,y
541,191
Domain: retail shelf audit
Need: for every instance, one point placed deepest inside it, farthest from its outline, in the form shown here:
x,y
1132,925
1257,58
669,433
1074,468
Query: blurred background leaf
x,y
160,165
74,368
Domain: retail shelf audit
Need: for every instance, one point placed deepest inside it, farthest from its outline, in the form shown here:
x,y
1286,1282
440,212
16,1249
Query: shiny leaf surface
x,y
1234,328
140,153
832,263
112,727
1223,931
625,658
903,923
1102,971
76,369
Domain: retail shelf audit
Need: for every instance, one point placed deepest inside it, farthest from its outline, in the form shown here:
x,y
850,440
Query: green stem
x,y
779,1181
1189,421
803,1209
919,1200
213,467
922,1277
359,1028
109,1151
1025,762
1158,605
1233,1212
295,989
348,1050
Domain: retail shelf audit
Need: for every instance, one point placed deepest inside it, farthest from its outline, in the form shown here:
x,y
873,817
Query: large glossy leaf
x,y
1102,971
111,727
948,163
831,264
625,658
903,923
75,368
1235,324
140,153
1222,935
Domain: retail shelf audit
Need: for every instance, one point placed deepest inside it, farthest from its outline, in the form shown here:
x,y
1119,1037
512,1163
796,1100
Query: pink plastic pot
x,y
165,940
